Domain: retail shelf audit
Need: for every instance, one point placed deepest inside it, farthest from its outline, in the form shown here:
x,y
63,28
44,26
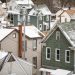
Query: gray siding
x,y
61,44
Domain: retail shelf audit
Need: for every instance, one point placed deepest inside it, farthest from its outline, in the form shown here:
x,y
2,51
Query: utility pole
x,y
24,23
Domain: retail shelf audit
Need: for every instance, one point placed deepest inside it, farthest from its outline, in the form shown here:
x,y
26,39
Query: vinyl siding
x,y
61,44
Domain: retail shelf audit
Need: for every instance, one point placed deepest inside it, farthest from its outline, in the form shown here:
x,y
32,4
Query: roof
x,y
56,72
3,54
18,66
61,72
31,31
5,32
68,29
13,12
43,10
70,12
25,2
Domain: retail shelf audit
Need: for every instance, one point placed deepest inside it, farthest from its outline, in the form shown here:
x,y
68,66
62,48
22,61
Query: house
x,y
40,16
58,47
32,46
67,15
15,10
12,65
9,40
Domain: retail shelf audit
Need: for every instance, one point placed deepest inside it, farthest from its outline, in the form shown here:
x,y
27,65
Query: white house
x,y
12,65
32,51
67,15
9,40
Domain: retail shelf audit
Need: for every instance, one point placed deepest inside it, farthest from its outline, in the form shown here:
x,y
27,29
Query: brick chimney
x,y
20,42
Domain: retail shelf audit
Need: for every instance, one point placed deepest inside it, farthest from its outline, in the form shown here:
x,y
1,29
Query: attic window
x,y
14,35
57,35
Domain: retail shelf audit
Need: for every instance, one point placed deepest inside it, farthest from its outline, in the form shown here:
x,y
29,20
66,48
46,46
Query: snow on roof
x,y
46,70
4,32
42,8
24,2
2,54
61,72
32,32
19,66
13,12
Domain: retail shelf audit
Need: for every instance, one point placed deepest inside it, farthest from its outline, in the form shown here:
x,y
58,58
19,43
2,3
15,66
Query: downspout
x,y
20,42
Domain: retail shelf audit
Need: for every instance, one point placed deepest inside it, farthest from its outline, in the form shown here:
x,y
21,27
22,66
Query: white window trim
x,y
56,54
46,53
65,56
57,36
40,27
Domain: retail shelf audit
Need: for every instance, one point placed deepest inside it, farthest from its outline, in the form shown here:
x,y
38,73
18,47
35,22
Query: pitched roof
x,y
24,2
5,32
19,66
44,10
68,29
31,31
70,12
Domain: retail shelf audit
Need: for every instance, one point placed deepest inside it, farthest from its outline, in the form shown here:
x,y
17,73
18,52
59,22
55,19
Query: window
x,y
57,54
35,62
67,56
34,43
14,35
40,17
28,18
25,44
57,35
40,26
47,18
10,7
48,53
47,73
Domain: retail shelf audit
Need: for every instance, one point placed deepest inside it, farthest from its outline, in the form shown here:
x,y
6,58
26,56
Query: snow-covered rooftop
x,y
31,31
25,2
43,10
57,71
61,72
13,12
3,54
4,32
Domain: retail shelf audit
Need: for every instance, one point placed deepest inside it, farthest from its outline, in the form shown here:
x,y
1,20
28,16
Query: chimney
x,y
20,41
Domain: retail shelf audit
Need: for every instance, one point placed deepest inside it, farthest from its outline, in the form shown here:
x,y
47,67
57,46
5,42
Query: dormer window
x,y
57,35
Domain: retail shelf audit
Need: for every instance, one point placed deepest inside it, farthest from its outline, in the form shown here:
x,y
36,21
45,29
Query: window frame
x,y
57,36
47,53
35,63
66,56
40,26
34,48
57,54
